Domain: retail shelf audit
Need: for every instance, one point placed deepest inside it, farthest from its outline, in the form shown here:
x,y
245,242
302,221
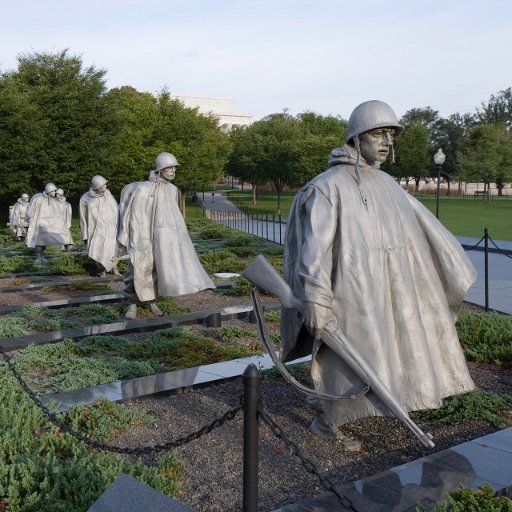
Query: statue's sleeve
x,y
318,219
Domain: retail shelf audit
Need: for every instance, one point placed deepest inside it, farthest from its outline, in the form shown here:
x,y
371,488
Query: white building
x,y
221,108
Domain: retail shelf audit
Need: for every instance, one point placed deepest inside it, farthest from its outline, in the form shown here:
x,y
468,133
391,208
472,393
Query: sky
x,y
324,56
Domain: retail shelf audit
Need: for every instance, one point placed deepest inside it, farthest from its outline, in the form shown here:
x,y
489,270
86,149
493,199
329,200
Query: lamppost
x,y
439,159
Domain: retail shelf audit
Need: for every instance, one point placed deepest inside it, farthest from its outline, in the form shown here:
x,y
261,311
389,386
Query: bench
x,y
481,193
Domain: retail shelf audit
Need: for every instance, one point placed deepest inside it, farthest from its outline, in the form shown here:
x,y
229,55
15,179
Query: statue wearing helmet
x,y
48,222
98,225
17,217
363,254
154,233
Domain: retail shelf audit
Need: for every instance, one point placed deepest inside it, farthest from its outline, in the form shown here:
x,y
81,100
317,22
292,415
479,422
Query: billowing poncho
x,y
153,230
98,225
17,218
46,222
395,278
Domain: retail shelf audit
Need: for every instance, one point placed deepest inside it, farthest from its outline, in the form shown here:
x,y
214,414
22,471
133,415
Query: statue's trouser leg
x,y
130,294
39,250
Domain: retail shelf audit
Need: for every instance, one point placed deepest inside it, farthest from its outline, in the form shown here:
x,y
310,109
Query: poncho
x,y
46,223
98,225
395,279
153,230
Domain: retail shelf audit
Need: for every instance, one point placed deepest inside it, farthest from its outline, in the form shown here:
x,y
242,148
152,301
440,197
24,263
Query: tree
x,y
487,154
151,124
71,115
426,116
498,109
20,138
320,135
411,153
450,134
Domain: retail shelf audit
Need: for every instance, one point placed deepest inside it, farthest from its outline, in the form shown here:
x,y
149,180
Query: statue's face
x,y
24,200
168,173
52,193
101,190
375,145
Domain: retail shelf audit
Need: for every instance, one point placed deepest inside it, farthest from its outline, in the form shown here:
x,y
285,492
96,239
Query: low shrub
x,y
221,261
476,405
483,499
16,264
486,337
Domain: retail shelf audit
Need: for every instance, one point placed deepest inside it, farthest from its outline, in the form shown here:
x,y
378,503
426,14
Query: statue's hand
x,y
316,318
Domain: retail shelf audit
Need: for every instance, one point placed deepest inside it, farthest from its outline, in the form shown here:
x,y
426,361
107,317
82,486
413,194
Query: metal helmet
x,y
371,115
50,187
24,196
164,160
97,182
59,191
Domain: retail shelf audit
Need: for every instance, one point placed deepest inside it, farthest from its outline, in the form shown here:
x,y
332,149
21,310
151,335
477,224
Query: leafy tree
x,y
426,116
450,134
284,150
498,109
411,153
487,154
151,124
72,118
320,135
20,138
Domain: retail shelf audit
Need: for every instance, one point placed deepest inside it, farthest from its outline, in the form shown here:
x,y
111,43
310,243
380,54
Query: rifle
x,y
262,274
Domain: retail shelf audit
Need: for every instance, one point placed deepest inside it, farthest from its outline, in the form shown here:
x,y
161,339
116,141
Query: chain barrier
x,y
145,450
308,464
499,249
476,245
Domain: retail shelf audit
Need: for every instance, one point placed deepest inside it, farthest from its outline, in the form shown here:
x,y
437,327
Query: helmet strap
x,y
358,150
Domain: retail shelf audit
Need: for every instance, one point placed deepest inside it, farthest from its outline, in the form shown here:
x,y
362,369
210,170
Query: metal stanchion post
x,y
486,245
280,237
251,380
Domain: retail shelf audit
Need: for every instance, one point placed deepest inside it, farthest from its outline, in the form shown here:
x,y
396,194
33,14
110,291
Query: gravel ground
x,y
213,480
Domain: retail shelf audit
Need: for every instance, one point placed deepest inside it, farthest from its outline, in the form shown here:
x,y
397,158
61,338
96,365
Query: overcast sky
x,y
325,56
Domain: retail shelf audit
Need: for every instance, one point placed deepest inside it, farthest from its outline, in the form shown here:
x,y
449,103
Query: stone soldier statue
x,y
17,219
98,224
66,213
45,225
163,261
364,254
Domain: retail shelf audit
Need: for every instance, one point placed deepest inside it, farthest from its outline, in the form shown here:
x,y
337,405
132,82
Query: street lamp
x,y
439,159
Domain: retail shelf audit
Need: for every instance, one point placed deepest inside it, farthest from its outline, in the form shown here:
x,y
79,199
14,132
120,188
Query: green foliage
x,y
215,231
221,261
476,405
43,470
236,333
16,264
486,337
103,418
11,327
168,306
273,316
483,499
69,264
241,287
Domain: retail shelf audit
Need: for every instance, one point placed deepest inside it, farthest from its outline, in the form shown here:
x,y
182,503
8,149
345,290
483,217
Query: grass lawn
x,y
463,217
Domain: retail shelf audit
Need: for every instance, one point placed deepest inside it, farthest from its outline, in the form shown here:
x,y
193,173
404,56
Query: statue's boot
x,y
320,428
68,247
131,312
116,272
155,309
40,259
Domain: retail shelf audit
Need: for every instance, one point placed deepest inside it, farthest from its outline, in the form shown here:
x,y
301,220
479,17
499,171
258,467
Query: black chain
x,y
500,250
309,465
476,245
146,450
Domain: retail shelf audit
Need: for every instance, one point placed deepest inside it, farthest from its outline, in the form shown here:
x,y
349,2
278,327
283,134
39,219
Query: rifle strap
x,y
267,343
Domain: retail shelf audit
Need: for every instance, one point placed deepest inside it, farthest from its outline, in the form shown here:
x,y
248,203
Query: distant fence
x,y
268,227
